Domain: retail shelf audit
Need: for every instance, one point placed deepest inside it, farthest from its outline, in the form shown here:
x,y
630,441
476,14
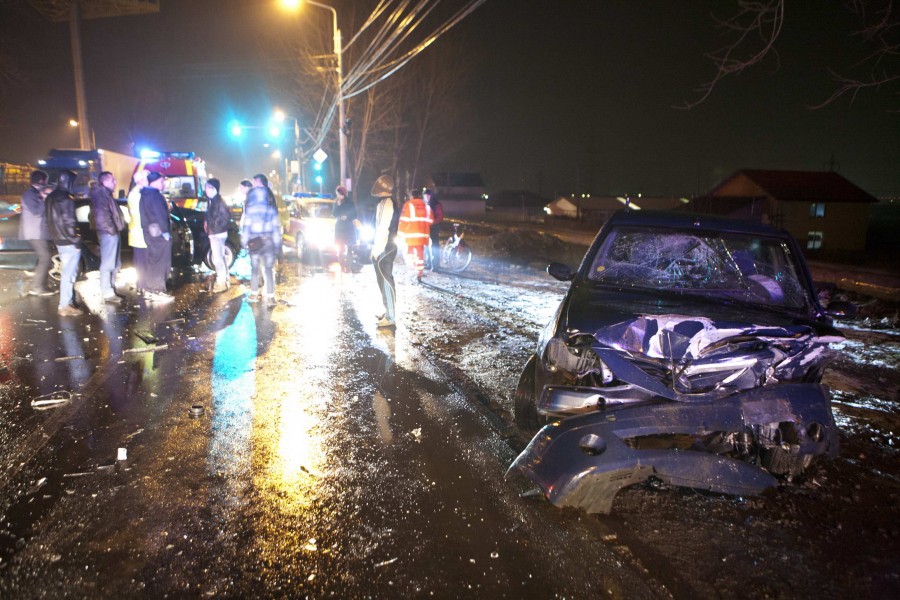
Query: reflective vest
x,y
415,223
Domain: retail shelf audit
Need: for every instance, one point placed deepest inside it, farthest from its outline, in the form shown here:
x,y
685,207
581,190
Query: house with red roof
x,y
824,211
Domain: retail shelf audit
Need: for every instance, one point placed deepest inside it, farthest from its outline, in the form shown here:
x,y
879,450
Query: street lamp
x,y
75,123
342,136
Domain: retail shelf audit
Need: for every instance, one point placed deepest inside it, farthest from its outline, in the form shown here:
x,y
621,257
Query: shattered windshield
x,y
731,266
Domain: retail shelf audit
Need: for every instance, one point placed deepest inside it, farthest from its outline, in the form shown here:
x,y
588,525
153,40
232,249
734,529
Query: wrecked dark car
x,y
689,349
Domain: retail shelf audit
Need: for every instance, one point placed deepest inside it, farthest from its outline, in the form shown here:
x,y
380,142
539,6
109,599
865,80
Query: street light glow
x,y
291,4
73,123
279,115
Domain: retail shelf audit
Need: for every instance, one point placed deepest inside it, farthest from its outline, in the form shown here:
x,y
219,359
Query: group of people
x,y
48,215
416,224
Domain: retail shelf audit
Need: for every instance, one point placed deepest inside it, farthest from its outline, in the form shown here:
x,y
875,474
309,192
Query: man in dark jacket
x,y
33,229
217,219
109,223
61,226
155,225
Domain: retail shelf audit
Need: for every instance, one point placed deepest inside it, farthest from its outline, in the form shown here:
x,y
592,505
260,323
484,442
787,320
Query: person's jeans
x,y
262,263
42,249
217,250
69,256
109,263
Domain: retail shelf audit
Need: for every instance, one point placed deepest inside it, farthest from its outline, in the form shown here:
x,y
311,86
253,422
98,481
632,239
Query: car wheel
x,y
527,418
55,272
300,247
230,257
55,268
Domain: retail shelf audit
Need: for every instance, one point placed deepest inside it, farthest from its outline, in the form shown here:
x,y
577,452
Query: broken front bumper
x,y
584,461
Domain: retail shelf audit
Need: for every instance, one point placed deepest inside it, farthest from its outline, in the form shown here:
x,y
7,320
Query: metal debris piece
x,y
147,349
147,336
179,320
386,562
65,358
51,400
82,474
37,486
196,411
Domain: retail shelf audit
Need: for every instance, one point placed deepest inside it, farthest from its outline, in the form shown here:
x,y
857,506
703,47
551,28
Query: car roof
x,y
686,220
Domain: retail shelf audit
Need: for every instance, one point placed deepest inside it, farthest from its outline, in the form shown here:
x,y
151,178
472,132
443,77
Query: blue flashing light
x,y
146,153
236,129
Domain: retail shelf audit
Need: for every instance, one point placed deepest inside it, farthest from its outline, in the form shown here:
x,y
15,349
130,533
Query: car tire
x,y
55,268
230,257
528,421
55,272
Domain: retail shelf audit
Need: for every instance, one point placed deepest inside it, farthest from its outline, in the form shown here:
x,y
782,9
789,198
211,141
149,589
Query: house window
x,y
814,240
817,209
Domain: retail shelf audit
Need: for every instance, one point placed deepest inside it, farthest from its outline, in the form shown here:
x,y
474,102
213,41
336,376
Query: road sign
x,y
319,156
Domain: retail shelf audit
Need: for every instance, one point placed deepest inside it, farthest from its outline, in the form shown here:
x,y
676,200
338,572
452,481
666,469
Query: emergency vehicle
x,y
185,176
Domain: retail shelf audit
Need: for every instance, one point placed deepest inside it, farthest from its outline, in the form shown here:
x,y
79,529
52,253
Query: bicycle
x,y
456,254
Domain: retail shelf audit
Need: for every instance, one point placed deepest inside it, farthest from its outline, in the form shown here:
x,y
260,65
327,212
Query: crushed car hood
x,y
688,358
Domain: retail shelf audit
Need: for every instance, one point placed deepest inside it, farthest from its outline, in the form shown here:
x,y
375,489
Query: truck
x,y
185,176
88,164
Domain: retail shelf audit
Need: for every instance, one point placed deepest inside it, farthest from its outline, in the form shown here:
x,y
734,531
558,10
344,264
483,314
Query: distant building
x,y
460,193
598,209
520,205
822,210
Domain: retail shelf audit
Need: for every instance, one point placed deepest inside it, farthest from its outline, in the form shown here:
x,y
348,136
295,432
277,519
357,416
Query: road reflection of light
x,y
7,346
233,384
79,368
293,392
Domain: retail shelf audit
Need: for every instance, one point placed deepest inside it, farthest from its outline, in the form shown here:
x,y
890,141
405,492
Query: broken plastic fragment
x,y
51,400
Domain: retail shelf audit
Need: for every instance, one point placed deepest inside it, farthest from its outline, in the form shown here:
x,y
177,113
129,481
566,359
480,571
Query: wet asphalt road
x,y
332,459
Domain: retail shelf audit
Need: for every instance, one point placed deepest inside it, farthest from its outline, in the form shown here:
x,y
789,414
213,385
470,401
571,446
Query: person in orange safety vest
x,y
414,230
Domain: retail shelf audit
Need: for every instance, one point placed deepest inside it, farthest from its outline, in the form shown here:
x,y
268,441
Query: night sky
x,y
562,95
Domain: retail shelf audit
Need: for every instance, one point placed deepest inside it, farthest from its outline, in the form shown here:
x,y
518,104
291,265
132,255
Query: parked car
x,y
310,230
196,218
687,348
16,253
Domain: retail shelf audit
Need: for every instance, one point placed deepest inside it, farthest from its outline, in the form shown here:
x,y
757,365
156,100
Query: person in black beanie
x,y
155,225
217,219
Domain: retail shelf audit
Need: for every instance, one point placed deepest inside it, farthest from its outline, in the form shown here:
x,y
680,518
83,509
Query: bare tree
x,y
757,25
393,92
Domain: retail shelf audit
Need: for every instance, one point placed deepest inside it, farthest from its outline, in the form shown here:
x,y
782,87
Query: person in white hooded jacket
x,y
384,250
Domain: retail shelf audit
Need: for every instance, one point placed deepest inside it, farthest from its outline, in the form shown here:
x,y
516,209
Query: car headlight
x,y
321,235
367,234
576,357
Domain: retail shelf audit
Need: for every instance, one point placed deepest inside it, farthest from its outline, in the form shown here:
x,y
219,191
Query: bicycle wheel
x,y
458,258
